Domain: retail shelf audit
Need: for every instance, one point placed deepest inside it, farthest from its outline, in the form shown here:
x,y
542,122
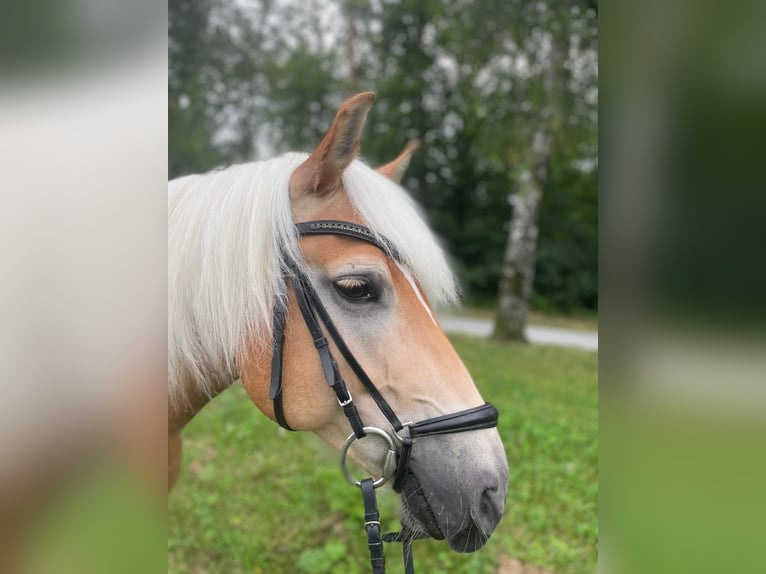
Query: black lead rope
x,y
372,525
313,313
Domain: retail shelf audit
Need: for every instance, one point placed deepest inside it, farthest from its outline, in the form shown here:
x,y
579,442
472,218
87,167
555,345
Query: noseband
x,y
396,463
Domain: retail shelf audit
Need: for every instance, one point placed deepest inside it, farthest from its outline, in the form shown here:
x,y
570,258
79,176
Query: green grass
x,y
683,483
252,498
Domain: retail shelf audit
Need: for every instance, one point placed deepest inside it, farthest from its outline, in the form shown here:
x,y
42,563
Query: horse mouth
x,y
467,534
417,514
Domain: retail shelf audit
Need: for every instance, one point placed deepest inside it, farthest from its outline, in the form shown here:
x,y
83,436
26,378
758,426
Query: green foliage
x,y
254,498
441,80
567,256
474,88
213,77
321,560
300,110
683,485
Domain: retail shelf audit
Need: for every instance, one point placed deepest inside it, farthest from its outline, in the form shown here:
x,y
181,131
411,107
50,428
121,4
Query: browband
x,y
347,229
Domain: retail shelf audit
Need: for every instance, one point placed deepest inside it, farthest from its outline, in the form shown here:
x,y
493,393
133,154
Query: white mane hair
x,y
229,232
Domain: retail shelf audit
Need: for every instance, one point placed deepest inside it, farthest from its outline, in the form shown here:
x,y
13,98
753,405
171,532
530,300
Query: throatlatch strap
x,y
275,389
372,525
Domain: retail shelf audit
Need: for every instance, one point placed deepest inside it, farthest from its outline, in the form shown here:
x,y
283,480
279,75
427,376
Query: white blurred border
x,y
83,263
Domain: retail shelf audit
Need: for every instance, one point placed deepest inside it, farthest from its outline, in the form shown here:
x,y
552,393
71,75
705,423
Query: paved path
x,y
535,334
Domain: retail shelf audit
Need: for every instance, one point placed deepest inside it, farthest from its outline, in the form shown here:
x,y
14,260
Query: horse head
x,y
456,485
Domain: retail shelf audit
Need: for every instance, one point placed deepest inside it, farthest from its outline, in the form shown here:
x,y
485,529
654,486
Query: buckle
x,y
347,401
405,426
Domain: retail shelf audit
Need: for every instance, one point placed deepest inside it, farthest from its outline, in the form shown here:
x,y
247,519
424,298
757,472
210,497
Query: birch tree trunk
x,y
518,273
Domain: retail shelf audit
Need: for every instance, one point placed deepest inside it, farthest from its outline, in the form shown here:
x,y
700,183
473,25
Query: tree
x,y
517,277
519,262
516,280
214,74
251,79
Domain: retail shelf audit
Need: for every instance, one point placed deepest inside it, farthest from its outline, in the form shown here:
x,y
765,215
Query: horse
x,y
305,271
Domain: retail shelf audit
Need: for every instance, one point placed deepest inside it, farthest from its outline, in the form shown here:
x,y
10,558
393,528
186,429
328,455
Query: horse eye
x,y
355,289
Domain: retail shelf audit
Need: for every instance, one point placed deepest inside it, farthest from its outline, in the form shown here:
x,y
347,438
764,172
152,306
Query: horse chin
x,y
417,514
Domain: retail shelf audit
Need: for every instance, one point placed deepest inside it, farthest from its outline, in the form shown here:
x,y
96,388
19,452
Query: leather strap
x,y
307,301
406,537
477,418
403,464
372,525
347,229
329,366
363,377
409,564
482,417
309,317
275,390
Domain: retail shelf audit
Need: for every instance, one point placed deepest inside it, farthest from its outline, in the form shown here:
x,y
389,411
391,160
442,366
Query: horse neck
x,y
180,412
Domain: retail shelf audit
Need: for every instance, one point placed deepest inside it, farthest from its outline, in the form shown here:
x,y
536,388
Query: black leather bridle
x,y
396,464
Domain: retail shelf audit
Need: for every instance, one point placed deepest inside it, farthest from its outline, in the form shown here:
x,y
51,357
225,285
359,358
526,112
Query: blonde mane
x,y
229,233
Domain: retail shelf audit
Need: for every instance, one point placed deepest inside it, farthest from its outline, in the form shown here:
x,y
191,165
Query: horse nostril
x,y
491,505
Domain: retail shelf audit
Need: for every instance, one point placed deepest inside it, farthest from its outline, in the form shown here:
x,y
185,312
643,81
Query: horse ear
x,y
321,172
395,170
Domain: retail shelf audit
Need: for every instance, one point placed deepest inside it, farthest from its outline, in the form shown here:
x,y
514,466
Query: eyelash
x,y
346,286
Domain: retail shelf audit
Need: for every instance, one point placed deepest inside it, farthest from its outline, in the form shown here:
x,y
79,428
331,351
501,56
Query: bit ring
x,y
389,463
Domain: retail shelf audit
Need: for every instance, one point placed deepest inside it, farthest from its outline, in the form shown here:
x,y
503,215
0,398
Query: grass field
x,y
252,498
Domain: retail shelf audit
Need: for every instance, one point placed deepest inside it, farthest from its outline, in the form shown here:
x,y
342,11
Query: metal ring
x,y
389,464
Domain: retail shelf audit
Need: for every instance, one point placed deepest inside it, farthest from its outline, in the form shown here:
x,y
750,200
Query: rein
x,y
396,462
